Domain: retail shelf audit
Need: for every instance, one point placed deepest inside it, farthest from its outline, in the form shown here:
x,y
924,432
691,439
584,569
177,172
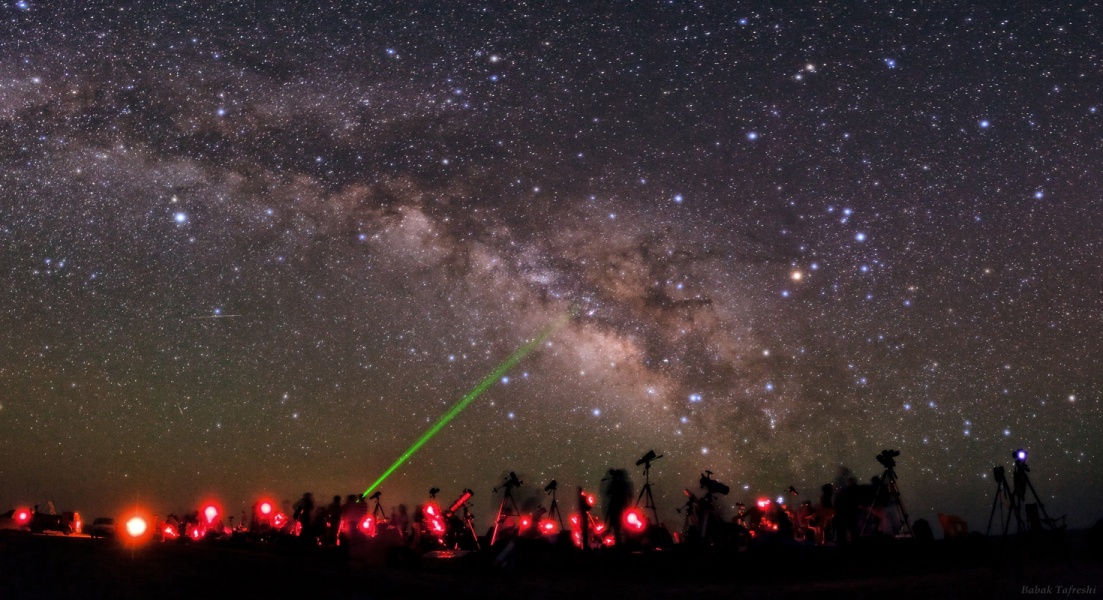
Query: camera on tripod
x,y
888,458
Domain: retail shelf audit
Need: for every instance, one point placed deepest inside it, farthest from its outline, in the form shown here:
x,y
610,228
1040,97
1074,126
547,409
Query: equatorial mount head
x,y
550,488
511,481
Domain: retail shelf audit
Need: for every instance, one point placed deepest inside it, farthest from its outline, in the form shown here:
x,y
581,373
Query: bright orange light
x,y
210,513
548,526
634,520
763,503
22,516
136,526
265,508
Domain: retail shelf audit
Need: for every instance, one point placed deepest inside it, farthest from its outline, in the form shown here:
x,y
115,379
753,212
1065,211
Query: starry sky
x,y
259,247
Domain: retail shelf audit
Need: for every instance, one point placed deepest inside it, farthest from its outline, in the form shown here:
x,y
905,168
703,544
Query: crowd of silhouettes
x,y
840,513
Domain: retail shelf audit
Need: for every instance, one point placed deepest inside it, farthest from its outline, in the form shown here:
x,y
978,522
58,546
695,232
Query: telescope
x,y
647,458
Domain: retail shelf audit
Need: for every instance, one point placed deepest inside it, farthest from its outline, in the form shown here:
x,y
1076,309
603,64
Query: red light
x,y
136,526
574,520
266,508
367,526
634,520
460,501
609,540
763,503
22,516
433,519
210,513
599,527
526,522
170,532
590,500
195,534
548,526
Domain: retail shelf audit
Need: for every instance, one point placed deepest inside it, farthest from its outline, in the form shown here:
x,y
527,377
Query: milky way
x,y
254,248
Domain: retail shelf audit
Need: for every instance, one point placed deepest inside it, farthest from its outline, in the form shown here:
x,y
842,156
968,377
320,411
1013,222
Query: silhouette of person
x,y
846,512
304,513
618,492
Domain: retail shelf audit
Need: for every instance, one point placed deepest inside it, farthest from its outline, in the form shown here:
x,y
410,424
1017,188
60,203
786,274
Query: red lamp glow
x,y
763,503
210,513
266,508
634,520
548,526
367,526
22,516
136,526
279,520
433,519
526,522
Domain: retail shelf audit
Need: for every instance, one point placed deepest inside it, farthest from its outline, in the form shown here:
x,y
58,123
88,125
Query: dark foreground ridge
x,y
56,566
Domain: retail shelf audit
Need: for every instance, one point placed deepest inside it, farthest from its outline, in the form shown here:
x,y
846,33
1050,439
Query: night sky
x,y
258,248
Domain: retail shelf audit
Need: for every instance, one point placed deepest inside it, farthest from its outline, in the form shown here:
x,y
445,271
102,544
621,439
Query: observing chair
x,y
1037,523
818,522
953,526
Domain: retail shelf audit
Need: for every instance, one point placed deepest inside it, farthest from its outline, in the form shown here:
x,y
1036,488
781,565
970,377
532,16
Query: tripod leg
x,y
992,515
498,520
651,504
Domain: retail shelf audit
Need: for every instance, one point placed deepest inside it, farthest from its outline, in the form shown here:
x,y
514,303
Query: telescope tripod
x,y
888,483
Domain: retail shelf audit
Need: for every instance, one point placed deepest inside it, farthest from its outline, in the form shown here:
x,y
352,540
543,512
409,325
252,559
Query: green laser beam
x,y
468,398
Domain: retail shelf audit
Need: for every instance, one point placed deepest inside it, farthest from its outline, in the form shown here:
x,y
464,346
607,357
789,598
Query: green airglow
x,y
468,398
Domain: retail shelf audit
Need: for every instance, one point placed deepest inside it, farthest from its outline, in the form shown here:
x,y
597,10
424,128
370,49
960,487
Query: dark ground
x,y
55,566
